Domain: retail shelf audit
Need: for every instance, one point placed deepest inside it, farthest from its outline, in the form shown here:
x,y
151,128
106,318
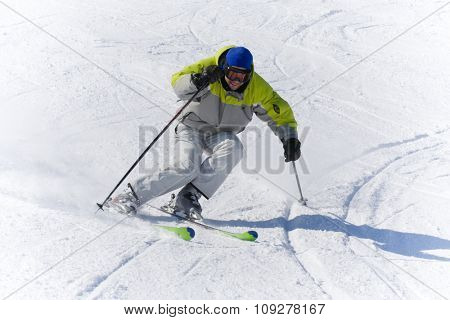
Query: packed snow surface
x,y
85,86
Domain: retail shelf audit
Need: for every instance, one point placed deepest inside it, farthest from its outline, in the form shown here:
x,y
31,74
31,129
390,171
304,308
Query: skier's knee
x,y
187,169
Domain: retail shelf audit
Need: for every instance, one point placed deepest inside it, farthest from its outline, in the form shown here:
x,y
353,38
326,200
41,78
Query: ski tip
x,y
254,234
191,232
246,236
186,233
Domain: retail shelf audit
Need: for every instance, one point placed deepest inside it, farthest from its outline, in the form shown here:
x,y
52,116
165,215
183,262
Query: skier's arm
x,y
182,82
275,111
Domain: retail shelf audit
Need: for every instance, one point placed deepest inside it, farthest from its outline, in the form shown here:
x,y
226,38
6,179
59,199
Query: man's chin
x,y
234,86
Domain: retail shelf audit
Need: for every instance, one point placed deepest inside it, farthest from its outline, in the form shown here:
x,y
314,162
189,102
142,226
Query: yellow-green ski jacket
x,y
216,109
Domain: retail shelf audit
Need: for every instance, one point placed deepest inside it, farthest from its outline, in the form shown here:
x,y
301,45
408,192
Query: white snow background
x,y
368,82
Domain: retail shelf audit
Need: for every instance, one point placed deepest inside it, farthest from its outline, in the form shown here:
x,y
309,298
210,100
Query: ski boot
x,y
124,203
185,204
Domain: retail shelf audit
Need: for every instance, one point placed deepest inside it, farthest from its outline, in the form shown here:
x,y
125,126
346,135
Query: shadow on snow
x,y
403,243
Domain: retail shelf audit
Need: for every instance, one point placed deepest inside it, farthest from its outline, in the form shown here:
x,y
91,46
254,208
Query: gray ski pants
x,y
223,149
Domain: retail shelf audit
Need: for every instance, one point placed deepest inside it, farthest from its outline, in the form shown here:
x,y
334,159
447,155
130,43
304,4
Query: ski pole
x,y
302,200
150,145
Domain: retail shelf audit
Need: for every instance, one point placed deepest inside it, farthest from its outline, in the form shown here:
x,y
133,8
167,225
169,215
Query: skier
x,y
232,93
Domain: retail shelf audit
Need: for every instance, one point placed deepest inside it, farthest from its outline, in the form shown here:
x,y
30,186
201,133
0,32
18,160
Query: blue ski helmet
x,y
239,57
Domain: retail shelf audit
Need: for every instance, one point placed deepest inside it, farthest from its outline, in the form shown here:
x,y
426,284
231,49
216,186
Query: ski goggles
x,y
237,75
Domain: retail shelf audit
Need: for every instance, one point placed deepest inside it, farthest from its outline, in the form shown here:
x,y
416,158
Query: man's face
x,y
236,77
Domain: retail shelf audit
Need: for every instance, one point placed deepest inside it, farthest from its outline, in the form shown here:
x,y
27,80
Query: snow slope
x,y
85,84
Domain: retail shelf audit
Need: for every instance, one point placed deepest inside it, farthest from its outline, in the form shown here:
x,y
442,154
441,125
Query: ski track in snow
x,y
293,253
364,181
102,278
194,265
317,276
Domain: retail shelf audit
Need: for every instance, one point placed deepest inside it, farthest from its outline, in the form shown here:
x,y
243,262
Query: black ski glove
x,y
210,75
291,149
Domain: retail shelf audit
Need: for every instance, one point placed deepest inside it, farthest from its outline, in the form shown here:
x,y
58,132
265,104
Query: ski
x,y
245,236
185,233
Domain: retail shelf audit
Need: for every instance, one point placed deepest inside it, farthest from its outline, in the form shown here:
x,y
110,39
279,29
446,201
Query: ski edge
x,y
245,236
